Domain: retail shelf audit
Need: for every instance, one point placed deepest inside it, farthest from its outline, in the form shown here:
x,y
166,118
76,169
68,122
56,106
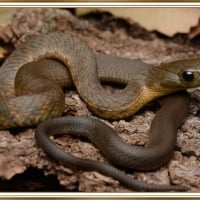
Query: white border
x,y
98,195
99,4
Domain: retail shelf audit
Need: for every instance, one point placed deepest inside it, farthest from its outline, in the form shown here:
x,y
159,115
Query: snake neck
x,y
161,82
121,104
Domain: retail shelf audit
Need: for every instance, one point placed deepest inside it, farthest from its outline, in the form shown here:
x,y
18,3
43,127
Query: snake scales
x,y
28,96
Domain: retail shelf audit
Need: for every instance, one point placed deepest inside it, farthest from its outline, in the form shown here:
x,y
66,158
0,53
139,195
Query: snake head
x,y
176,75
189,73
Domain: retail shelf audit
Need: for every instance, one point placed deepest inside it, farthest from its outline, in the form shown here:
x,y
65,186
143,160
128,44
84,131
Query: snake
x,y
31,94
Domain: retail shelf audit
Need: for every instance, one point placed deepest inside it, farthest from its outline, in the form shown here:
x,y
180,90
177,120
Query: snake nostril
x,y
188,76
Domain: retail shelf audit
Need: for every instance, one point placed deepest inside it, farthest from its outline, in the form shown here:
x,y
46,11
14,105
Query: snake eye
x,y
188,76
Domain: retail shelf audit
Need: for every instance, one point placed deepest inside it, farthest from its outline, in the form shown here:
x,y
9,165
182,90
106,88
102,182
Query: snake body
x,y
118,152
31,94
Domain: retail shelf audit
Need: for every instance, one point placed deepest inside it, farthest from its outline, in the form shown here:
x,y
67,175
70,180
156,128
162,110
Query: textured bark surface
x,y
103,33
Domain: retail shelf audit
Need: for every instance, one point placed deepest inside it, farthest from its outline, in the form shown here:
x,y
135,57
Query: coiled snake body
x,y
28,96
